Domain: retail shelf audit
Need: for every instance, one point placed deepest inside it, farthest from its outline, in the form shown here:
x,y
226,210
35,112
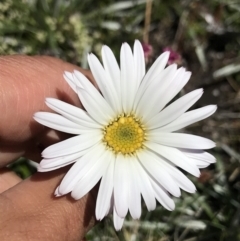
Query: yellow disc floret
x,y
125,135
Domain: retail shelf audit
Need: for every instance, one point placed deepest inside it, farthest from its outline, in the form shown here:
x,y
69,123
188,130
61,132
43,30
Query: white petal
x,y
117,220
181,180
121,184
189,118
93,93
157,172
175,156
109,210
145,187
159,94
72,145
56,193
177,84
97,108
139,61
91,178
40,169
134,197
200,163
174,110
104,82
181,140
58,162
70,80
110,206
105,191
199,155
128,78
155,69
80,168
162,196
142,108
72,113
112,68
59,123
155,73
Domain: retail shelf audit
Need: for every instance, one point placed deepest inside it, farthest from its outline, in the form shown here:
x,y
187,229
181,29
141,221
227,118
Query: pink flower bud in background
x,y
174,57
147,49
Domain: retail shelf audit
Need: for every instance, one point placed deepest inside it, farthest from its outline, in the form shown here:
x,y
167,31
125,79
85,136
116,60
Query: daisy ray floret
x,y
126,138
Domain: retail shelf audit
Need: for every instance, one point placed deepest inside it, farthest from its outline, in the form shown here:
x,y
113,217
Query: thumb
x,y
29,210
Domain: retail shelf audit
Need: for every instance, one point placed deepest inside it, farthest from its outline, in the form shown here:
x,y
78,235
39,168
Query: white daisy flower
x,y
126,138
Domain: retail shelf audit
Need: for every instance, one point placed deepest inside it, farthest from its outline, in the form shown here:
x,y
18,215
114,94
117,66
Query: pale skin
x,y
28,209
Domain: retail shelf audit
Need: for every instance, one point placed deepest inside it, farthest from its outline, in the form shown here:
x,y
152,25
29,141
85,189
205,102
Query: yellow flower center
x,y
125,135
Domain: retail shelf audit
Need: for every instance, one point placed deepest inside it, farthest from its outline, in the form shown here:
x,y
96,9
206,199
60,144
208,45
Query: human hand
x,y
28,209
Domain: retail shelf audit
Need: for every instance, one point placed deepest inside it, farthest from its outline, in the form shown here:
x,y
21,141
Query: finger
x,y
31,149
25,82
31,210
8,179
47,138
9,154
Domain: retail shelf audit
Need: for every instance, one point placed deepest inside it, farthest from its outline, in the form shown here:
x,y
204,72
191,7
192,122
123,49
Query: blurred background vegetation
x,y
203,36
